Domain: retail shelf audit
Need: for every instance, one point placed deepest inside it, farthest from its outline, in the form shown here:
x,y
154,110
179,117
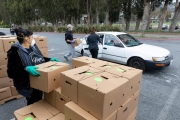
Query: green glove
x,y
32,70
55,59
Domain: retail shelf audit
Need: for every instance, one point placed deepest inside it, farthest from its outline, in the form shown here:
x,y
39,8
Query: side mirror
x,y
118,45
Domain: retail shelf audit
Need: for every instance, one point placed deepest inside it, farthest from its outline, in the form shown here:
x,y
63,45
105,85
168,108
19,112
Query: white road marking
x,y
164,112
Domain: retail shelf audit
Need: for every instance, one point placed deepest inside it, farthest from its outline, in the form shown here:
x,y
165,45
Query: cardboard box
x,y
113,116
56,99
5,93
81,61
71,78
7,42
133,75
14,91
61,100
38,111
74,112
133,115
49,78
60,116
101,95
1,46
41,42
77,42
50,97
128,107
104,65
3,58
5,82
3,71
44,51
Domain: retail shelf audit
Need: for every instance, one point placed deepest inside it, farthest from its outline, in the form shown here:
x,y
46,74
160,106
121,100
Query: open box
x,y
49,78
38,111
133,75
102,94
71,78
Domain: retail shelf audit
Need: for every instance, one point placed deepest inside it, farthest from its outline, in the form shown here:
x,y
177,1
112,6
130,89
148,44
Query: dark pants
x,y
94,53
35,97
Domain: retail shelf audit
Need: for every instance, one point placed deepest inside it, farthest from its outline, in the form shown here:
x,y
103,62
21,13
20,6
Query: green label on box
x,y
29,118
120,70
54,67
98,79
88,73
108,66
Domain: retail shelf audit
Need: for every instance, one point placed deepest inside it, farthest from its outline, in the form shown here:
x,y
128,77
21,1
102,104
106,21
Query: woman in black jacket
x,y
92,41
23,57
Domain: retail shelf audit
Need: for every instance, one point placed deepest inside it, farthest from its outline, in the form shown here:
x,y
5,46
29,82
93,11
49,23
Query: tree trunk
x,y
123,23
72,22
127,25
149,22
89,12
106,21
163,15
145,15
137,23
175,18
97,12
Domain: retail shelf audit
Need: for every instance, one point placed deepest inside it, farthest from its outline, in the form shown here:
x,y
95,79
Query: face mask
x,y
33,42
71,29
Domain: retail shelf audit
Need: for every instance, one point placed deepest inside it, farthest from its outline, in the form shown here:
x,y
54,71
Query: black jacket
x,y
16,68
92,41
68,36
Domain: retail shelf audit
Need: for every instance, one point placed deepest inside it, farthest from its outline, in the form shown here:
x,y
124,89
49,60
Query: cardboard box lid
x,y
81,72
103,65
124,71
87,59
60,116
50,66
79,111
40,110
101,81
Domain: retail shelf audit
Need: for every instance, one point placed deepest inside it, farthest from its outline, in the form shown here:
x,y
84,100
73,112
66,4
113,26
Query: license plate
x,y
171,62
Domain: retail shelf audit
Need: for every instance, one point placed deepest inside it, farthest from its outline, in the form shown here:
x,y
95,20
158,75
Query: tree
x,y
163,14
137,9
175,18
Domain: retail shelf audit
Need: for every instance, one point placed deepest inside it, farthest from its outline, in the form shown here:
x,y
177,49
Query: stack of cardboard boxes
x,y
98,90
7,90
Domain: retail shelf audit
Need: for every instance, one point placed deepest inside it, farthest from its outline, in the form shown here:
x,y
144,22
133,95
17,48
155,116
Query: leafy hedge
x,y
4,26
41,28
77,29
87,29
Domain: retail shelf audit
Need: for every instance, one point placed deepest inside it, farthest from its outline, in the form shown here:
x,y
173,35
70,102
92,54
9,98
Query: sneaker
x,y
66,58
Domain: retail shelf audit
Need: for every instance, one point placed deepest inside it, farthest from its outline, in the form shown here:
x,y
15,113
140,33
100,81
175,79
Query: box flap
x,y
49,107
81,72
24,111
103,65
25,117
50,66
41,112
79,111
60,116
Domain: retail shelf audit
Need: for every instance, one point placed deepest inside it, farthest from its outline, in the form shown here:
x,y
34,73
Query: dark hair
x,y
93,30
21,33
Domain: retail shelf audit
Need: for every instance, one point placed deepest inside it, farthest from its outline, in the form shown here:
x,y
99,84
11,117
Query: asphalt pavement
x,y
159,98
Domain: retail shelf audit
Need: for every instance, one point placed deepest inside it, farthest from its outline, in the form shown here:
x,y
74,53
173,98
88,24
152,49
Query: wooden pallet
x,y
10,98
